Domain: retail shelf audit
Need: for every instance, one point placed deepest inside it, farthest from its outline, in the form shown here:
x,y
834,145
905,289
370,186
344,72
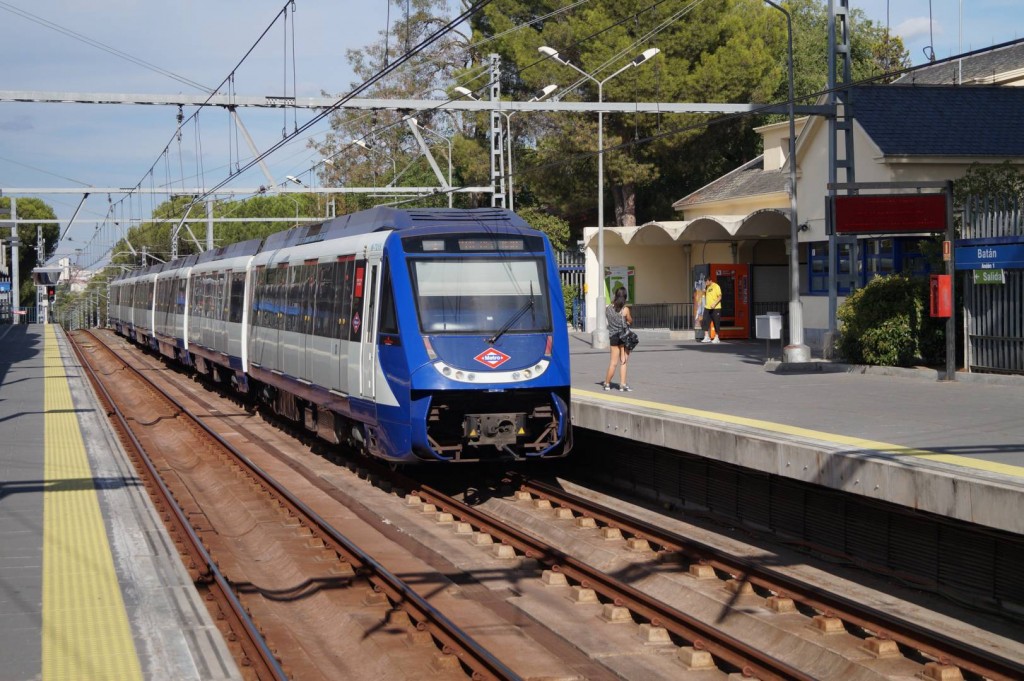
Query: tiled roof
x,y
942,120
985,65
749,179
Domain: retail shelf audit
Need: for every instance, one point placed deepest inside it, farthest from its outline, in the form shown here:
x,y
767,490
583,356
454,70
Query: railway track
x,y
539,511
192,471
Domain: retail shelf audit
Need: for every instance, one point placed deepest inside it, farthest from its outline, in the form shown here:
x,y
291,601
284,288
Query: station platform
x,y
91,586
954,448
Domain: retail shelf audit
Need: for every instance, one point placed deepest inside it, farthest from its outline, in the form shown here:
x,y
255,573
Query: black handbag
x,y
629,339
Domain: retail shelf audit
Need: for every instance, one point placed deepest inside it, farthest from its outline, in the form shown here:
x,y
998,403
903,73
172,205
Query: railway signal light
x,y
51,293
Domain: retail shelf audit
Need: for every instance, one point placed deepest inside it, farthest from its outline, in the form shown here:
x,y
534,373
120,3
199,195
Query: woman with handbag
x,y
619,318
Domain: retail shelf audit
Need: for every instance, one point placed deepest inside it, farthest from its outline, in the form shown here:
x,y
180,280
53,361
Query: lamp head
x,y
465,92
547,90
645,55
551,52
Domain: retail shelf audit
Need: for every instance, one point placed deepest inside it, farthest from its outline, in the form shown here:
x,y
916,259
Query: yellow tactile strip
x,y
86,634
844,440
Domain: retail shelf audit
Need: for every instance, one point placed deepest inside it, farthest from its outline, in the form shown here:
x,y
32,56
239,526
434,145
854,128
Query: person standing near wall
x,y
712,311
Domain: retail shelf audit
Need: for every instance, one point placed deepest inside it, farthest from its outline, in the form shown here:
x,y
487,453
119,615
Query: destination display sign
x,y
990,257
890,213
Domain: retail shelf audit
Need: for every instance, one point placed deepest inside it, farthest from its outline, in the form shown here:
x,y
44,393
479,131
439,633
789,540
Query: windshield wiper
x,y
515,318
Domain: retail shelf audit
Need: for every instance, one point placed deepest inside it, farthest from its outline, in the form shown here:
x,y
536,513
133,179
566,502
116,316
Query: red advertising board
x,y
890,213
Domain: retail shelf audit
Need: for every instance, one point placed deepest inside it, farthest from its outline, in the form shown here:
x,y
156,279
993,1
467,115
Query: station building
x,y
737,228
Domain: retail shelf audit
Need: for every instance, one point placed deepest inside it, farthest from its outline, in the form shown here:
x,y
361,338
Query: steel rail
x,y
750,660
944,649
258,656
455,641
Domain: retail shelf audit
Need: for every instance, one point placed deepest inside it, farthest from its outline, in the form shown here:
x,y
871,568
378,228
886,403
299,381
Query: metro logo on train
x,y
492,358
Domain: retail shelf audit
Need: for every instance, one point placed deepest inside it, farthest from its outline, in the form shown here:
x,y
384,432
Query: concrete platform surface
x,y
955,448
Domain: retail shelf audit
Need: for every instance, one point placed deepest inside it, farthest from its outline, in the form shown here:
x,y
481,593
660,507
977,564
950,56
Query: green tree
x,y
873,50
886,323
395,157
555,227
712,52
28,254
729,51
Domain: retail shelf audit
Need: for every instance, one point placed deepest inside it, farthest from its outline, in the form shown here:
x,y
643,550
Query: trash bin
x,y
769,327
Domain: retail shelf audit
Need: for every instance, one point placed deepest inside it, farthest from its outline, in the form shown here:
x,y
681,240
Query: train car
x,y
217,314
133,313
170,319
115,307
417,335
143,309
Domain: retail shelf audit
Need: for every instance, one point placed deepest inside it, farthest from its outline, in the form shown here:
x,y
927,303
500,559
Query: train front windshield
x,y
481,295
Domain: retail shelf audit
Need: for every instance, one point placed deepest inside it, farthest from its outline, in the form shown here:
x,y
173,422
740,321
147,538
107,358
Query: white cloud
x,y
917,27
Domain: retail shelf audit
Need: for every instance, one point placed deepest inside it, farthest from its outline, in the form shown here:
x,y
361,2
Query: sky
x,y
78,145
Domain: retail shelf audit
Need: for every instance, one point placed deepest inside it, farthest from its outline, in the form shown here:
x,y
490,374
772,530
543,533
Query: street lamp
x,y
368,147
416,123
796,351
600,335
545,91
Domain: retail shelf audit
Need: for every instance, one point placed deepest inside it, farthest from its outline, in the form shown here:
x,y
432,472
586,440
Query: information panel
x,y
890,213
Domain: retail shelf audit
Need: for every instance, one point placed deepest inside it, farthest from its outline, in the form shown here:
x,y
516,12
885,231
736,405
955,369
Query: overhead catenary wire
x,y
101,46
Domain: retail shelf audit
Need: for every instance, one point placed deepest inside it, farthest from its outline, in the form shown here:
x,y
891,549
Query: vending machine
x,y
734,280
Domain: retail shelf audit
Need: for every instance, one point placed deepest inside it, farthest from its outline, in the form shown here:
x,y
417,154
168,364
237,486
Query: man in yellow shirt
x,y
712,311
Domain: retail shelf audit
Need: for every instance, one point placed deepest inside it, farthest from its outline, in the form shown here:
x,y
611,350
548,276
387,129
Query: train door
x,y
368,335
734,281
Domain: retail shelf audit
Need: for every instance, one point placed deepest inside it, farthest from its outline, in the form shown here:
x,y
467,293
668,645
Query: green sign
x,y
989,277
616,276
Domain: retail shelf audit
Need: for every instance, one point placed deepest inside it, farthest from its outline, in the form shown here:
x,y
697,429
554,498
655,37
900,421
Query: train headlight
x,y
515,375
459,375
471,377
446,371
528,373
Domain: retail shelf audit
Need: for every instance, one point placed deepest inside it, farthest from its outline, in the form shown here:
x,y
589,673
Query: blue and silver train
x,y
413,335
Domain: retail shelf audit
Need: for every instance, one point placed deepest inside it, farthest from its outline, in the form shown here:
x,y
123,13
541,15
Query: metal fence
x,y
994,313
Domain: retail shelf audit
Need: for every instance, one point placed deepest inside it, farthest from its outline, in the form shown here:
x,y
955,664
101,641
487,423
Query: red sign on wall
x,y
890,213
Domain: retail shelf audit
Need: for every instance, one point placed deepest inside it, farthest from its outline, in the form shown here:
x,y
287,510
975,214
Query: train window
x,y
481,295
388,318
223,296
345,298
259,297
237,297
323,299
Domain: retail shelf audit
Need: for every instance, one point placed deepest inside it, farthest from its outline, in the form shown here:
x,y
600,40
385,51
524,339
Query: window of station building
x,y
875,257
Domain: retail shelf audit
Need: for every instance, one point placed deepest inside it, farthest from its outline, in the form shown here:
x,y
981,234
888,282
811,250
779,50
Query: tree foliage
x,y
729,51
555,227
886,323
378,149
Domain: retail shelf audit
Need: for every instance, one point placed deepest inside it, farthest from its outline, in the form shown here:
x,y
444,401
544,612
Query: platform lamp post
x,y
796,350
545,92
599,339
